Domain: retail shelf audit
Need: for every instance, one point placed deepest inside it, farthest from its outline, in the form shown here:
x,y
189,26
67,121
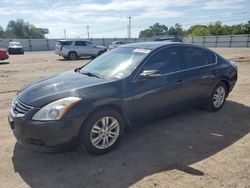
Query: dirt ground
x,y
192,149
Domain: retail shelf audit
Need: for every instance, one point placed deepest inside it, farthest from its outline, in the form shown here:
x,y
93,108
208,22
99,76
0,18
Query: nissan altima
x,y
92,106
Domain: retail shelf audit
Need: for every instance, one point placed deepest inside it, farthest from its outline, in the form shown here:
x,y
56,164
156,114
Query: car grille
x,y
19,108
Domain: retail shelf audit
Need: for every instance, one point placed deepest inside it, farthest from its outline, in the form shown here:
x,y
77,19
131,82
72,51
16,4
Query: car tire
x,y
72,56
102,131
66,58
218,97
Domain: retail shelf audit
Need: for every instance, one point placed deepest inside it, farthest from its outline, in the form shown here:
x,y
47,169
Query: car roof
x,y
149,45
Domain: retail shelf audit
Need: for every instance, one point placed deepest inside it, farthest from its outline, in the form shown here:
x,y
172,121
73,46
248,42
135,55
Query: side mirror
x,y
150,74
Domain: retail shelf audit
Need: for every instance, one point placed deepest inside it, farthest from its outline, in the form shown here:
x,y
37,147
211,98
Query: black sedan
x,y
91,106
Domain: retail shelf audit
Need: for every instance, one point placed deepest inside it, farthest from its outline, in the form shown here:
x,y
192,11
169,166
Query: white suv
x,y
73,49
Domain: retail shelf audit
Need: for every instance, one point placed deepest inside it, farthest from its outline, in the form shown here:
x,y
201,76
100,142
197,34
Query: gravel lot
x,y
191,149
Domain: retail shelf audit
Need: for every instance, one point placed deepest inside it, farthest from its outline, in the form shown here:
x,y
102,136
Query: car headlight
x,y
56,109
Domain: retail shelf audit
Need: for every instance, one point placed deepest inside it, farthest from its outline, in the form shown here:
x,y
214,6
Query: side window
x,y
166,61
89,43
80,43
211,57
195,57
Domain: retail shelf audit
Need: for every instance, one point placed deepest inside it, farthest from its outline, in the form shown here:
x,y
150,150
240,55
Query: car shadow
x,y
4,62
175,142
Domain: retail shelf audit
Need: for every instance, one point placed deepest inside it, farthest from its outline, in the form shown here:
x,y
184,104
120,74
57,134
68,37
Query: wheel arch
x,y
121,110
73,52
225,80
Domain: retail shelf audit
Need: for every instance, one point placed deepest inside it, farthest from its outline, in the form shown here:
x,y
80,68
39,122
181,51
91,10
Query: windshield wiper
x,y
90,74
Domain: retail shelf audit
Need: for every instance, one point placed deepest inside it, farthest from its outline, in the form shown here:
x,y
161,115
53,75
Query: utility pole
x,y
87,31
129,26
64,31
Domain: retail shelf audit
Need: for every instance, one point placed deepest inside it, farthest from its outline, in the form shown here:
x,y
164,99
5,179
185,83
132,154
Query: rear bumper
x,y
46,136
231,86
59,53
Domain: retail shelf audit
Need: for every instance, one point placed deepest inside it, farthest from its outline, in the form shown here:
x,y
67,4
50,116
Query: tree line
x,y
21,30
24,30
196,30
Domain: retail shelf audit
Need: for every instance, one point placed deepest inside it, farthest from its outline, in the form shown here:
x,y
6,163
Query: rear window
x,y
64,43
196,57
211,57
80,43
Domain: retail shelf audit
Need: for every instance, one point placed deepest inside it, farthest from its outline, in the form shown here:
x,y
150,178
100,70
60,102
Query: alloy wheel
x,y
219,97
104,132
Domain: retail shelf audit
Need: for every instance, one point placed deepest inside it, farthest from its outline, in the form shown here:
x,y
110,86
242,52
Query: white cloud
x,y
136,4
223,4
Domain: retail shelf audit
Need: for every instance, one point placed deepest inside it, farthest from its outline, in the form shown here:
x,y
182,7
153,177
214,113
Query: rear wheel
x,y
72,56
102,131
218,97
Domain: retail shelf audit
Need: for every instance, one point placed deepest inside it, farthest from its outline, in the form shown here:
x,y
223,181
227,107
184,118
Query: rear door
x,y
200,71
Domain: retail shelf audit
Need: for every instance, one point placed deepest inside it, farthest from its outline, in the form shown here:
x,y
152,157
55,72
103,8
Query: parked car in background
x,y
169,39
3,54
73,49
15,48
91,106
115,44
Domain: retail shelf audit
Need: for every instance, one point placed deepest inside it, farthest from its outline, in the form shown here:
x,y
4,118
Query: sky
x,y
108,18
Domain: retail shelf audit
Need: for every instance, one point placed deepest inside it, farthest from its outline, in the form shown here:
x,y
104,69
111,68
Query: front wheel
x,y
218,97
102,131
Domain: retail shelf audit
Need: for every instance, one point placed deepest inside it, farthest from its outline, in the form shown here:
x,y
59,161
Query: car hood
x,y
69,83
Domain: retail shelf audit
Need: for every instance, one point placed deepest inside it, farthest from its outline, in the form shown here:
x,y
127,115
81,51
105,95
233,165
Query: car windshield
x,y
15,43
116,63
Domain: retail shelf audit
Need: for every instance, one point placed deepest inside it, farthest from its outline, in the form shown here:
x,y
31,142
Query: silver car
x,y
73,49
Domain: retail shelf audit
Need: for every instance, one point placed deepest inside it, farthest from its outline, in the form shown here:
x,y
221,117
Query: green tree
x,y
198,30
21,29
176,30
246,27
154,30
1,32
216,29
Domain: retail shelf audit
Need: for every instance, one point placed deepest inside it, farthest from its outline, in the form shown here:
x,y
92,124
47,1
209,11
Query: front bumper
x,y
15,50
46,136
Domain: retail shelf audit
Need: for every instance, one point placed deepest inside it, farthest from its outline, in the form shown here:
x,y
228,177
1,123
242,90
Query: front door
x,y
159,95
